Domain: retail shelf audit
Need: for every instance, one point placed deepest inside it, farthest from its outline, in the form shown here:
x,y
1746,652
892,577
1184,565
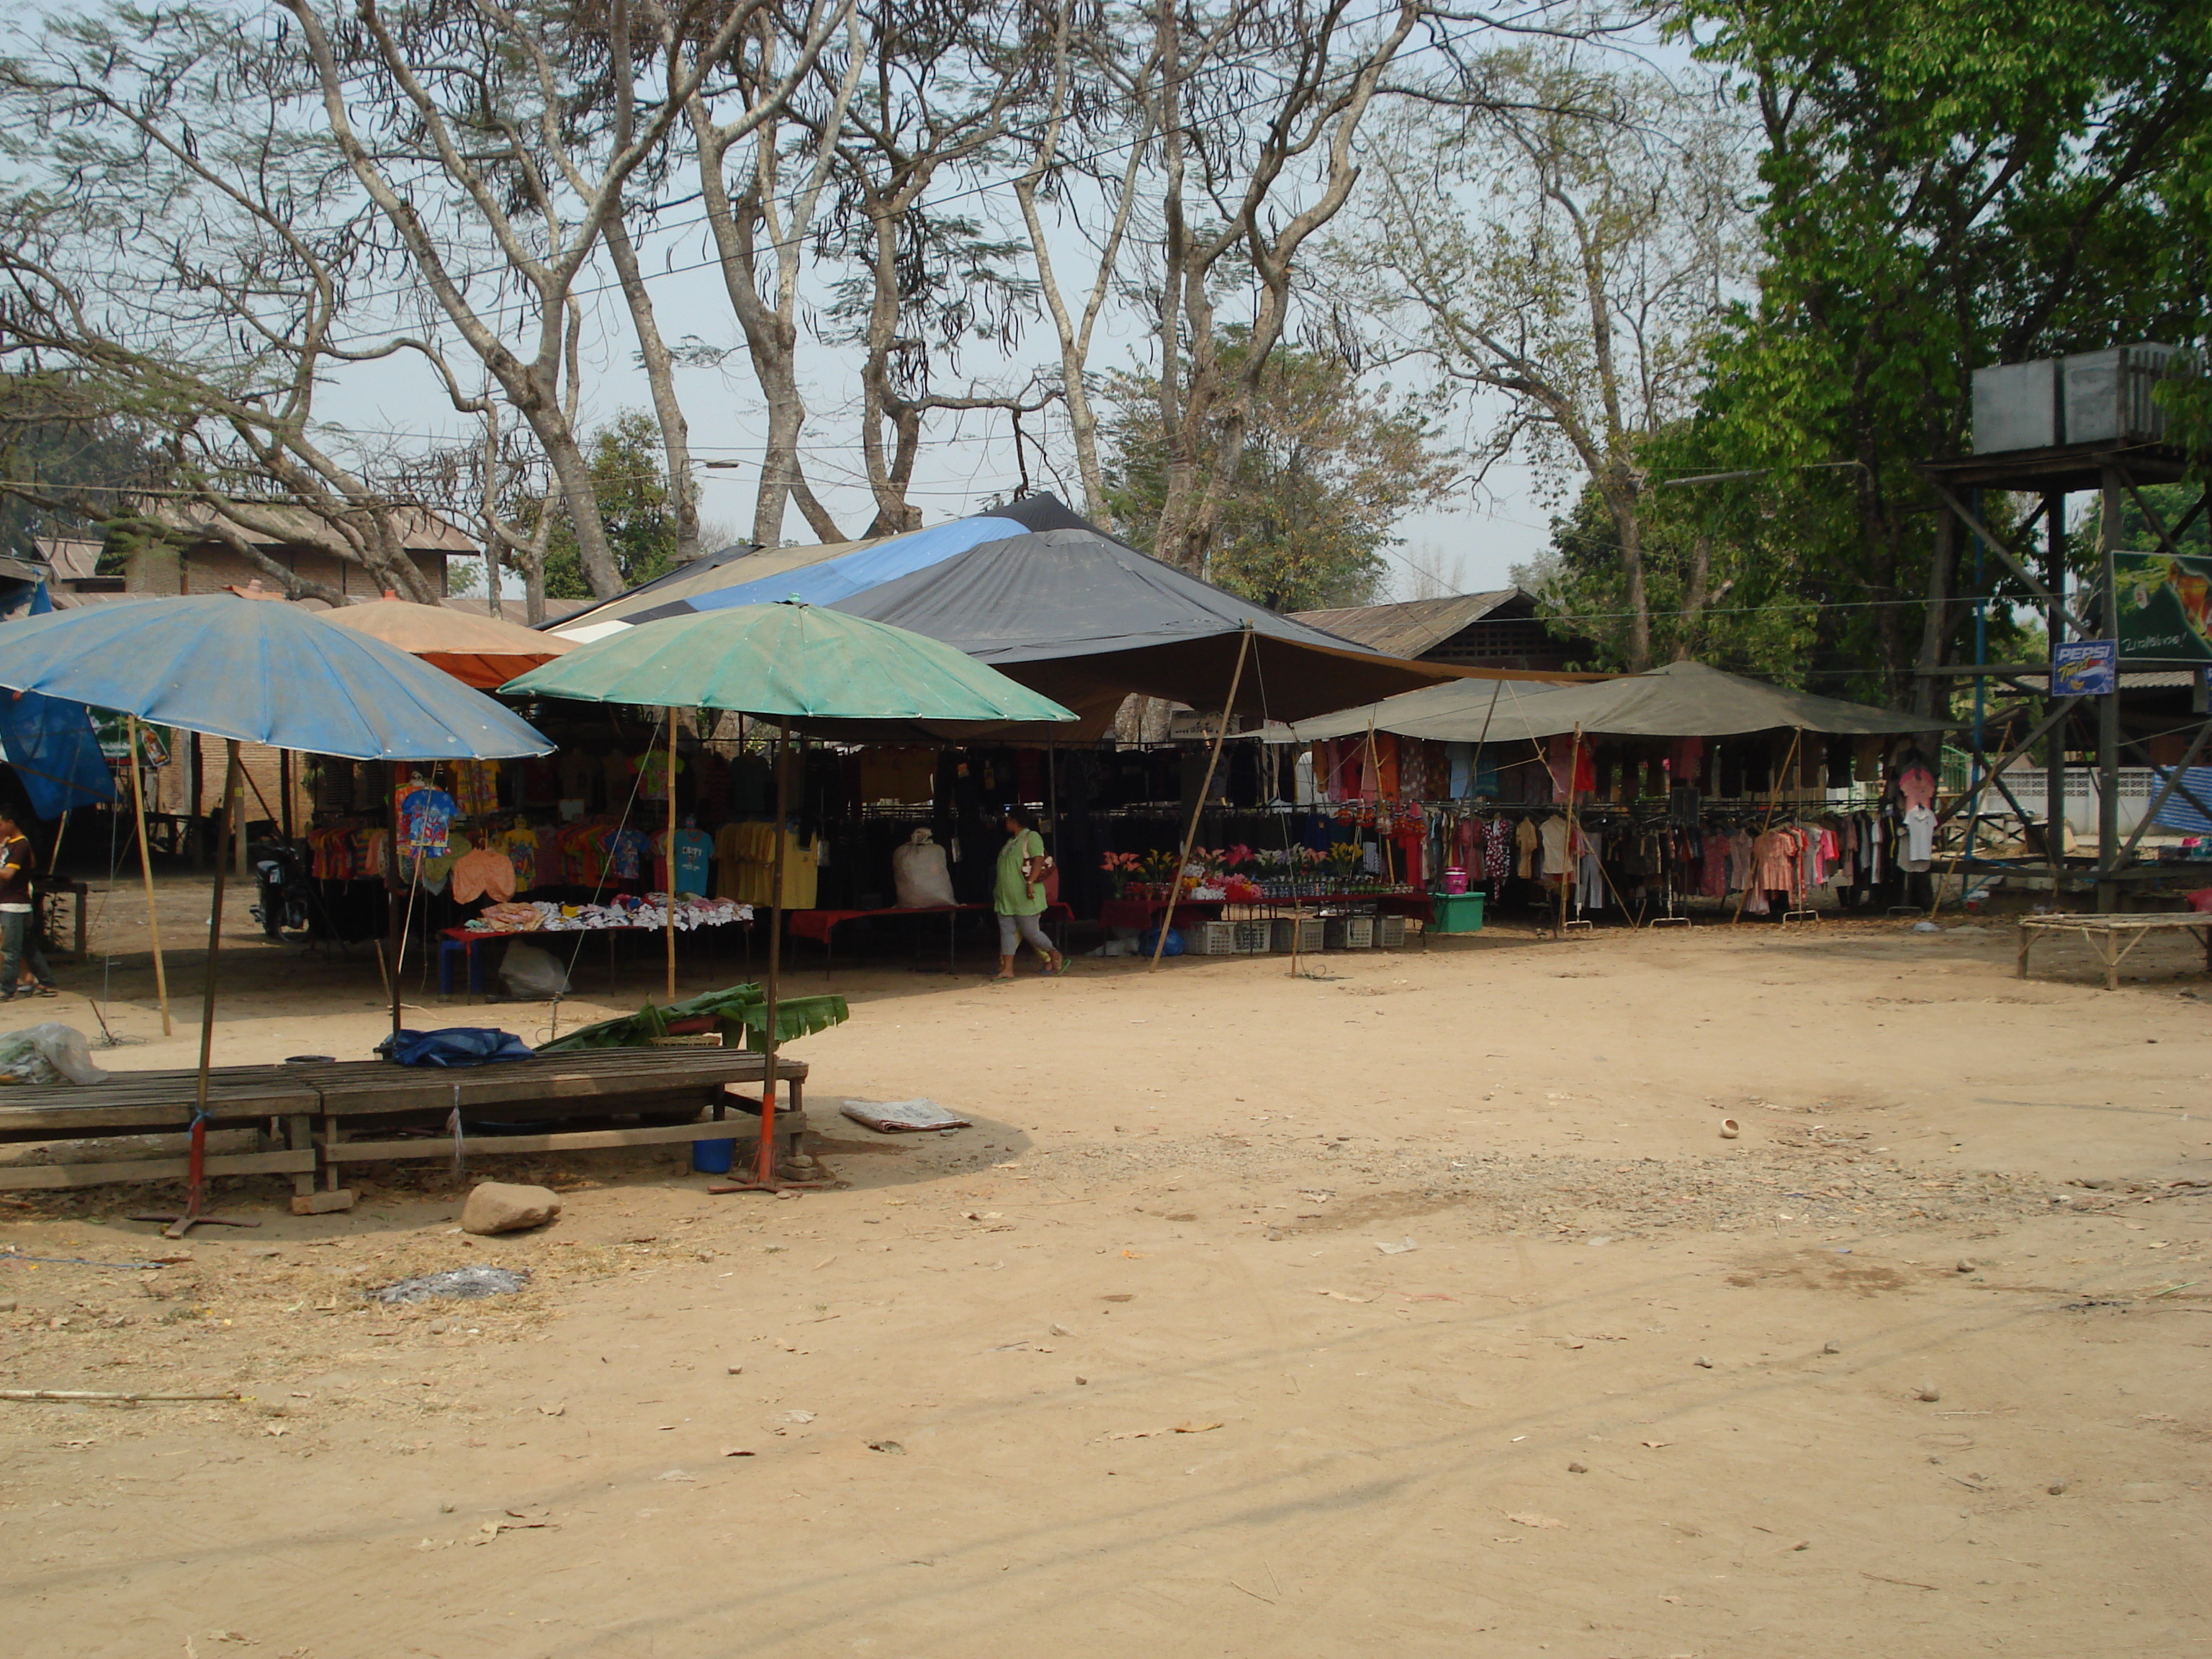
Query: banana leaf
x,y
739,1012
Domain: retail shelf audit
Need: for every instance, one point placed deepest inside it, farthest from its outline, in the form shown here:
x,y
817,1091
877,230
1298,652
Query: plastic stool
x,y
466,948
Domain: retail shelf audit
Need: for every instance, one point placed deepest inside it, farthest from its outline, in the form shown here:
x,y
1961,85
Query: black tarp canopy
x,y
1059,606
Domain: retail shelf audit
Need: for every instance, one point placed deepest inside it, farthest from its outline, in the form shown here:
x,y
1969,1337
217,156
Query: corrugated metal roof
x,y
1411,627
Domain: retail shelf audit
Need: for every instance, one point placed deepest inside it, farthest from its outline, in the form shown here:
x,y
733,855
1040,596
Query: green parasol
x,y
788,662
782,662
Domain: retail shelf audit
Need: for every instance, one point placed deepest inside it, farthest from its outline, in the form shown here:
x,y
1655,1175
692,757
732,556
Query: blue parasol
x,y
260,671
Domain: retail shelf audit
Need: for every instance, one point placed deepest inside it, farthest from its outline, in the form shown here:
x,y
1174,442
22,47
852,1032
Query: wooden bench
x,y
2114,937
363,1102
274,1101
316,1117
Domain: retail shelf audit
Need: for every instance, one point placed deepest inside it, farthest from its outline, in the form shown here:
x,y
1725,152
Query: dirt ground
x,y
1417,1306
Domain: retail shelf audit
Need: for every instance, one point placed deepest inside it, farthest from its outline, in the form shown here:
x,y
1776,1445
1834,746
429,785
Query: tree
x,y
1943,189
1563,248
636,510
173,268
1324,470
1241,192
498,145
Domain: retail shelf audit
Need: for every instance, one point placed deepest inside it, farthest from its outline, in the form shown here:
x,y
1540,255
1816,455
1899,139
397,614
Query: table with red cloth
x,y
821,925
1143,913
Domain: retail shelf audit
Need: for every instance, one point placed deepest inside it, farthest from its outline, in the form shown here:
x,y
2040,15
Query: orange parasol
x,y
479,651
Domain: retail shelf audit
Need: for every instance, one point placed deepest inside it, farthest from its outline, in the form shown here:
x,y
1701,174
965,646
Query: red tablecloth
x,y
817,924
1143,913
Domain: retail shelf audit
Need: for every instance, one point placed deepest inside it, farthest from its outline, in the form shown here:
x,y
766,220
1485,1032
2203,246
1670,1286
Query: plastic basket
x,y
1389,932
1304,935
1349,933
1253,938
1211,939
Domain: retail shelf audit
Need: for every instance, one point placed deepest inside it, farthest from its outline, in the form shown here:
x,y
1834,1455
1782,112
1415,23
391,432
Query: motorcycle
x,y
289,908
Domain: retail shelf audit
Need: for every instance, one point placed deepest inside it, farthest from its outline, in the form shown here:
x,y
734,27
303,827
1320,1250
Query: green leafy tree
x,y
1324,470
1942,188
630,480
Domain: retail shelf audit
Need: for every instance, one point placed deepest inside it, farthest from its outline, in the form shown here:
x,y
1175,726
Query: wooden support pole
x,y
670,929
1198,811
215,938
145,869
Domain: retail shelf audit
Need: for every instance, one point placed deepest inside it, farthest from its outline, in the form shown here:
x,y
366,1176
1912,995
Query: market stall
x,y
1648,796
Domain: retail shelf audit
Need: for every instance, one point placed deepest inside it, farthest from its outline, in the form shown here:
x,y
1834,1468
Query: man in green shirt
x,y
1018,893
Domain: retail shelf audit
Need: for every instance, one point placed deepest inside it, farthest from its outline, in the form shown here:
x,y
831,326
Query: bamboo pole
x,y
670,928
146,871
1198,810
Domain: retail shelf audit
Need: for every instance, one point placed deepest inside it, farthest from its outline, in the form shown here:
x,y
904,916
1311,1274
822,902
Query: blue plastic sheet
x,y
456,1046
52,746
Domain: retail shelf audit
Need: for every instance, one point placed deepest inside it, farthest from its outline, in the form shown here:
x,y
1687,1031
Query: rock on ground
x,y
501,1207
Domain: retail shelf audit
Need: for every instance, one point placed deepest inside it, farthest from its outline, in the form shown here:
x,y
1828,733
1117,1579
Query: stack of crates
x,y
1304,935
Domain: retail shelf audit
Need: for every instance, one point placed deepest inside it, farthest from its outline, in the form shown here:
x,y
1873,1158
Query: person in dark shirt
x,y
19,940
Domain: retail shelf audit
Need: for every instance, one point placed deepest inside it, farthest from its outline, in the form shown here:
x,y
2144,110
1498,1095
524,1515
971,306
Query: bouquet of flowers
x,y
1121,868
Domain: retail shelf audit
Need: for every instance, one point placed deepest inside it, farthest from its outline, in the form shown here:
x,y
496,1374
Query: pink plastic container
x,y
1455,881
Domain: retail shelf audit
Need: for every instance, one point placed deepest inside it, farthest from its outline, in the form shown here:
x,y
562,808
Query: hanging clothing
x,y
426,820
1554,835
1919,839
1526,843
486,872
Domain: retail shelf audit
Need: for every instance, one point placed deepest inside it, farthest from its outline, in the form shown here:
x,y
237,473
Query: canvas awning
x,y
1059,606
1682,700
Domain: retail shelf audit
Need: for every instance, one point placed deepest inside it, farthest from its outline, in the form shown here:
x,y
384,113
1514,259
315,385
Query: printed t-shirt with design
x,y
425,821
694,853
653,774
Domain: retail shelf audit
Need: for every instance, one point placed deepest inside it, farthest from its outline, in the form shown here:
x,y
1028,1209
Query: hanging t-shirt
x,y
425,821
521,845
626,851
653,774
1919,839
1553,835
694,854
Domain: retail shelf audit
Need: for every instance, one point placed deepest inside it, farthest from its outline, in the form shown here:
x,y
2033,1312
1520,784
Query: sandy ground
x,y
1915,1365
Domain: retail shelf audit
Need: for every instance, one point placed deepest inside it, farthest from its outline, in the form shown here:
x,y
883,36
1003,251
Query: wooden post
x,y
146,871
670,930
764,1159
215,935
1190,837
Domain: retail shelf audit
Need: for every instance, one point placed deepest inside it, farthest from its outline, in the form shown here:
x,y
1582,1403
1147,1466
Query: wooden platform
x,y
2114,937
313,1119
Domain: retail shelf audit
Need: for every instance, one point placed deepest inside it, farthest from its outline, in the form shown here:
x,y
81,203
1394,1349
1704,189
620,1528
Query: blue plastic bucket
x,y
712,1157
